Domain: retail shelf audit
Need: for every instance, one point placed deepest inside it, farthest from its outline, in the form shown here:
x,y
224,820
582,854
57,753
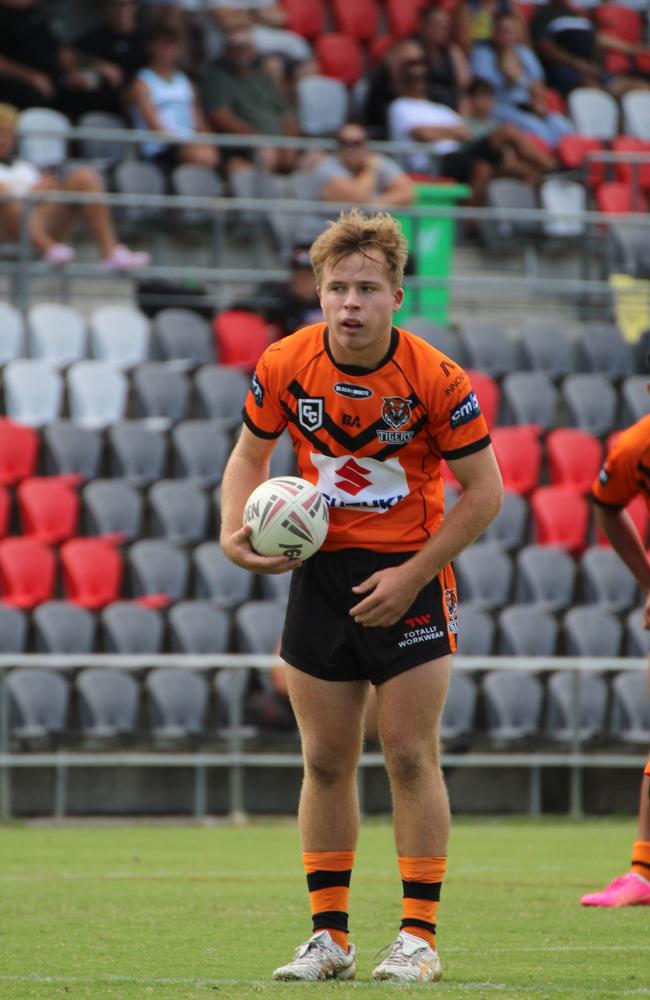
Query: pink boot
x,y
628,890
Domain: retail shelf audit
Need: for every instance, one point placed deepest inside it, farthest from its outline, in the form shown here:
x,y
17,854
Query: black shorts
x,y
460,164
321,639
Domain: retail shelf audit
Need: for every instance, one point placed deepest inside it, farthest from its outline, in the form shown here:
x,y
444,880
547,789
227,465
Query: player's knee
x,y
407,764
327,769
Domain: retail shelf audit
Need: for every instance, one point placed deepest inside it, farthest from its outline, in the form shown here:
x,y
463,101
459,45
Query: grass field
x,y
131,912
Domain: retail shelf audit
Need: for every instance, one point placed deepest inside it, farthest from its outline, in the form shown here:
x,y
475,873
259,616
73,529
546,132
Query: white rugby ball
x,y
289,516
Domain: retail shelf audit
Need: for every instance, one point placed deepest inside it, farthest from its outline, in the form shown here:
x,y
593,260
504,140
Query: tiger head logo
x,y
396,411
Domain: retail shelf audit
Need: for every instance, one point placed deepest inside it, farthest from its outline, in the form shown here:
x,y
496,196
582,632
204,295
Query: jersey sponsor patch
x,y
257,389
310,413
352,391
467,410
349,481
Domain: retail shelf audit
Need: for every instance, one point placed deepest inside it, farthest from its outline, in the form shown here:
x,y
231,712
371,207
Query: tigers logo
x,y
451,603
396,411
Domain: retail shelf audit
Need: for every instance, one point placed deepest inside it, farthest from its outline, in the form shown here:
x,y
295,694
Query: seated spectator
x,y
115,51
570,49
163,99
284,53
49,222
473,21
241,98
449,71
383,84
289,306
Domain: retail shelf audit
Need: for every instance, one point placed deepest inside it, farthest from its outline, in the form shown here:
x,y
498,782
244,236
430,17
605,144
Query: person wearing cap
x,y
292,305
48,222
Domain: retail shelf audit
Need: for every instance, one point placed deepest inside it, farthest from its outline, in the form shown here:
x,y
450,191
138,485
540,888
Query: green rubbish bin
x,y
431,240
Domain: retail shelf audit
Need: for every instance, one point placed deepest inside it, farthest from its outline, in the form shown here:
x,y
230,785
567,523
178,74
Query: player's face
x,y
358,302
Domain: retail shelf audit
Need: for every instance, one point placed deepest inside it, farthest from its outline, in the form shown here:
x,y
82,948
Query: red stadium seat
x,y
622,22
5,511
574,458
560,517
359,20
573,150
49,507
240,338
340,57
639,513
18,451
404,16
378,47
525,11
617,198
27,570
555,101
633,173
92,572
488,394
305,17
519,454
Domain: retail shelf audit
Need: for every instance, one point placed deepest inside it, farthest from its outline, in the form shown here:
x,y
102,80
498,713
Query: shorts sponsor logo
x,y
450,598
310,413
396,411
257,389
352,391
349,481
420,630
453,385
466,411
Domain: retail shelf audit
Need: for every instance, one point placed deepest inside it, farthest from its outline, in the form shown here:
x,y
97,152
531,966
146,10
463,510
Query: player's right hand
x,y
240,551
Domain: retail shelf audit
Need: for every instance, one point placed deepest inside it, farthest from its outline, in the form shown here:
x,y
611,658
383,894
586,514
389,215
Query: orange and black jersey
x,y
371,440
626,470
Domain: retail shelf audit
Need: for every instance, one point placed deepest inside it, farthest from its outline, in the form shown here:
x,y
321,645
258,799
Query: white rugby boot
x,y
411,960
319,958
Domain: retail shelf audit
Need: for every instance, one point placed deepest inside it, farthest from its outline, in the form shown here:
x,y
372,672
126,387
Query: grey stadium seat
x,y
41,137
200,449
61,627
530,398
601,349
179,511
102,154
630,712
322,104
258,626
136,452
510,194
39,702
136,177
130,628
476,632
33,392
484,574
13,630
109,703
178,702
97,393
217,579
70,449
594,113
439,335
548,348
637,639
561,198
220,393
591,403
274,586
592,706
158,567
488,347
527,630
635,399
119,334
181,335
198,627
636,113
283,458
545,576
194,180
57,334
513,705
606,581
112,506
161,394
509,527
12,333
592,631
458,715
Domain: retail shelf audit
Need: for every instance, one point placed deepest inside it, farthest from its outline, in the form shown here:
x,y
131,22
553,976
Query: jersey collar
x,y
359,369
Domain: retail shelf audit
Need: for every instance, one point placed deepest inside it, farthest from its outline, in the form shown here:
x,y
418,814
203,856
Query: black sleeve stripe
x,y
468,449
607,506
269,435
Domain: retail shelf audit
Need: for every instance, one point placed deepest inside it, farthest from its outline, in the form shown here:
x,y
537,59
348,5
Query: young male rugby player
x,y
372,410
625,473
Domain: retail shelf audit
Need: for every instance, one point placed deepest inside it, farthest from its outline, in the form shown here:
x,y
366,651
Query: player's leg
x,y
330,719
409,710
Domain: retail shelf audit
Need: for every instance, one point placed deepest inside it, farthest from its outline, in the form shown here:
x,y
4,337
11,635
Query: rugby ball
x,y
288,516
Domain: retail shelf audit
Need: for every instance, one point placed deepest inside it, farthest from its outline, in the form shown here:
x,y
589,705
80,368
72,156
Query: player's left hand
x,y
390,593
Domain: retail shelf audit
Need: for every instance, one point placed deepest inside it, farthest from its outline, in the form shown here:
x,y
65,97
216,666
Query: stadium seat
x,y
136,452
27,570
18,452
624,24
509,528
182,336
606,581
258,625
439,335
561,198
92,572
547,347
322,104
97,393
12,333
574,458
61,627
178,703
112,508
139,178
128,627
513,705
476,633
339,57
240,337
527,630
39,702
71,450
592,631
5,511
102,154
13,630
33,392
220,394
41,137
512,195
48,507
219,580
200,449
283,459
637,638
158,571
160,394
594,113
378,47
120,335
617,198
109,703
630,711
484,574
179,511
274,586
591,402
57,334
196,181
530,398
457,722
560,517
592,706
545,576
488,394
404,16
636,114
305,17
519,455
359,20
634,397
574,151
639,513
198,627
634,175
488,347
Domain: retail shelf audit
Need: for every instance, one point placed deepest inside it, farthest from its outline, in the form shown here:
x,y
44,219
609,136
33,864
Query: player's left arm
x,y
390,592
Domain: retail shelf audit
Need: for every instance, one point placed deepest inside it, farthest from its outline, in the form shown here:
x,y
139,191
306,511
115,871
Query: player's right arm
x,y
247,467
620,529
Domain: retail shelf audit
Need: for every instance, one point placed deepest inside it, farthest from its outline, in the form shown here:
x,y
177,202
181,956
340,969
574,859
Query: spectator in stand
x,y
473,21
292,305
163,99
285,54
570,49
115,50
48,223
449,71
384,83
516,74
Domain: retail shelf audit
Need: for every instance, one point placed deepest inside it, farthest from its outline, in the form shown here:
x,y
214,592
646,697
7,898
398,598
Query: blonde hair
x,y
354,232
8,115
